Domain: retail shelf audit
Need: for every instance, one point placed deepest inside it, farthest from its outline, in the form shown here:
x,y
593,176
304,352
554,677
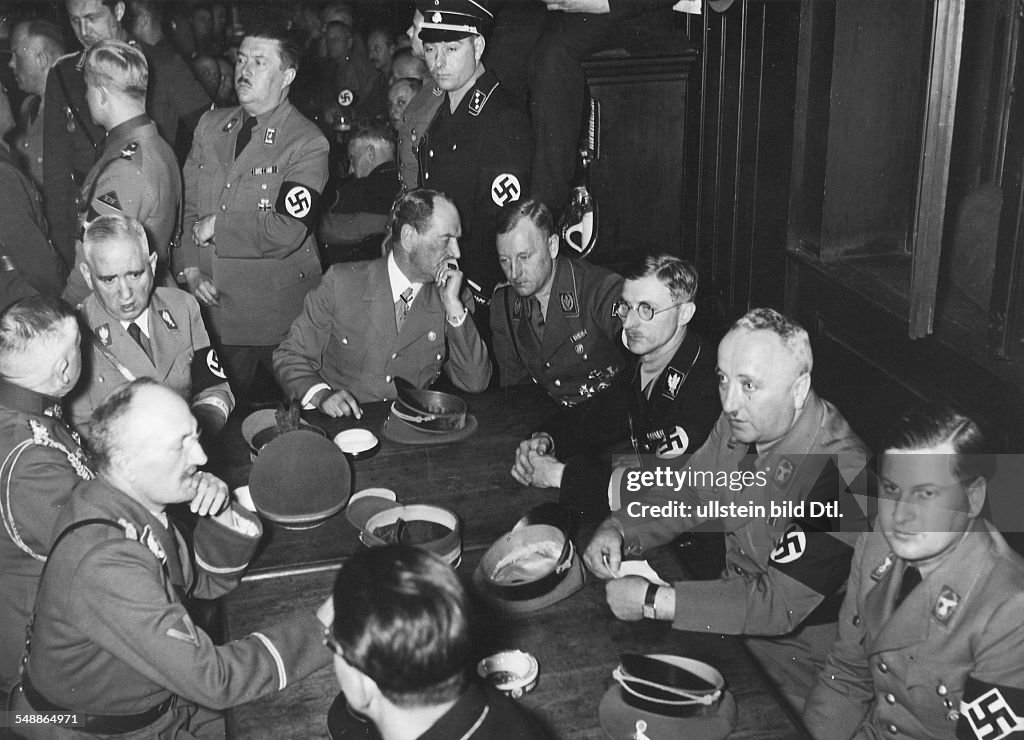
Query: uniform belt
x,y
97,724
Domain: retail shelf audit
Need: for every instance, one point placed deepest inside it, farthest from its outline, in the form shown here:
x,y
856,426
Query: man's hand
x,y
202,230
604,553
338,403
449,284
523,469
211,494
201,286
579,6
625,596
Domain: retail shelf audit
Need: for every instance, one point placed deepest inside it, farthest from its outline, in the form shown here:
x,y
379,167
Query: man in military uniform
x,y
665,402
252,190
111,641
417,114
136,331
478,147
400,316
43,460
35,46
931,643
776,443
137,173
72,140
553,321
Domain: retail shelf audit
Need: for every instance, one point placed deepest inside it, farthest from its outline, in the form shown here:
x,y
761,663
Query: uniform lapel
x,y
378,304
555,323
162,338
422,316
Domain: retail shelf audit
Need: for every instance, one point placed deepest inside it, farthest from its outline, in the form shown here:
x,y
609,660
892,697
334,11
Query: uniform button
x,y
547,364
263,186
387,378
426,175
585,357
558,382
228,186
890,699
893,729
941,689
394,356
882,667
223,207
302,275
431,152
413,137
856,620
439,357
952,715
344,340
738,570
454,147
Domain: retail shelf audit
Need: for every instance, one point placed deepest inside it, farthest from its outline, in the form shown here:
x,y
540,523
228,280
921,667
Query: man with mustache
x,y
776,442
399,316
664,402
252,192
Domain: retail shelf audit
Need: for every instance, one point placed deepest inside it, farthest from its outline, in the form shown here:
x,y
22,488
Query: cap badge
x,y
435,18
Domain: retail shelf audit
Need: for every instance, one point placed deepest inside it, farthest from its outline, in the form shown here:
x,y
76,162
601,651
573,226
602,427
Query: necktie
x,y
536,316
911,577
244,134
402,306
33,108
749,461
140,339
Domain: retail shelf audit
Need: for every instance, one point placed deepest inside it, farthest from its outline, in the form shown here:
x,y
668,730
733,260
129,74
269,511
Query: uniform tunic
x,y
415,120
346,337
42,463
780,569
947,663
481,712
111,635
137,175
264,259
480,157
176,334
580,352
676,419
23,235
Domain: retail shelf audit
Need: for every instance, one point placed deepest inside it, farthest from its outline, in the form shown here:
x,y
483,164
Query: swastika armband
x,y
299,201
206,370
990,711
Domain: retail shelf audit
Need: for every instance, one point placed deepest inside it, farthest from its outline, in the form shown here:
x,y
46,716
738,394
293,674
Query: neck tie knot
x,y
403,306
911,577
140,339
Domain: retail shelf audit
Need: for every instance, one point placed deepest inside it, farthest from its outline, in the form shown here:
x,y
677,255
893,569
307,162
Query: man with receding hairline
x,y
111,640
776,442
35,46
138,331
42,459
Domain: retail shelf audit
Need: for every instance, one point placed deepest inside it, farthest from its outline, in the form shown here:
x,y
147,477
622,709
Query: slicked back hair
x,y
30,319
933,424
534,210
403,618
116,65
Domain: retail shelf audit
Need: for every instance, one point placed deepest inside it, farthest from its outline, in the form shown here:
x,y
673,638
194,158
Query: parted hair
x,y
794,337
930,425
47,33
678,275
27,320
103,434
116,65
530,208
403,618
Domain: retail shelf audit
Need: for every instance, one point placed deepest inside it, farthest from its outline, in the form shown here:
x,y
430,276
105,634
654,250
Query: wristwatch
x,y
650,610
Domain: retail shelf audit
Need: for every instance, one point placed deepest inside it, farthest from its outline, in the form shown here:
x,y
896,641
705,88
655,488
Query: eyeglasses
x,y
643,309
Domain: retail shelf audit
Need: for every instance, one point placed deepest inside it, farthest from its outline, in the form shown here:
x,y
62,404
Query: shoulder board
x,y
131,149
478,99
499,286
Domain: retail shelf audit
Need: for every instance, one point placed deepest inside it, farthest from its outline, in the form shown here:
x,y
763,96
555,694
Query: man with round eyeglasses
x,y
663,404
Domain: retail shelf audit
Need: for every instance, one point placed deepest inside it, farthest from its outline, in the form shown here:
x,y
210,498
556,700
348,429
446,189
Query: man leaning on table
x,y
784,575
400,316
111,642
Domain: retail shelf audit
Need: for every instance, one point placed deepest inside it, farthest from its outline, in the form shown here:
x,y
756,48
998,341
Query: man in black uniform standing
x,y
478,147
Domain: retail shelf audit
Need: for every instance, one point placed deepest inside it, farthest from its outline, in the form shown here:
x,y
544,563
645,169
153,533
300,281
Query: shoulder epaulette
x,y
130,150
479,99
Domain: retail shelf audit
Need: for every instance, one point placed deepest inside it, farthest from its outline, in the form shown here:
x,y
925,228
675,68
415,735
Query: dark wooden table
x,y
577,641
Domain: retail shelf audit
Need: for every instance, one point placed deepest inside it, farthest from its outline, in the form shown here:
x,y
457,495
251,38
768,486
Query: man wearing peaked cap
x,y
478,147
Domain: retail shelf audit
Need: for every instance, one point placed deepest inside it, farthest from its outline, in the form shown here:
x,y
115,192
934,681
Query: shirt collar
x,y
142,320
399,282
